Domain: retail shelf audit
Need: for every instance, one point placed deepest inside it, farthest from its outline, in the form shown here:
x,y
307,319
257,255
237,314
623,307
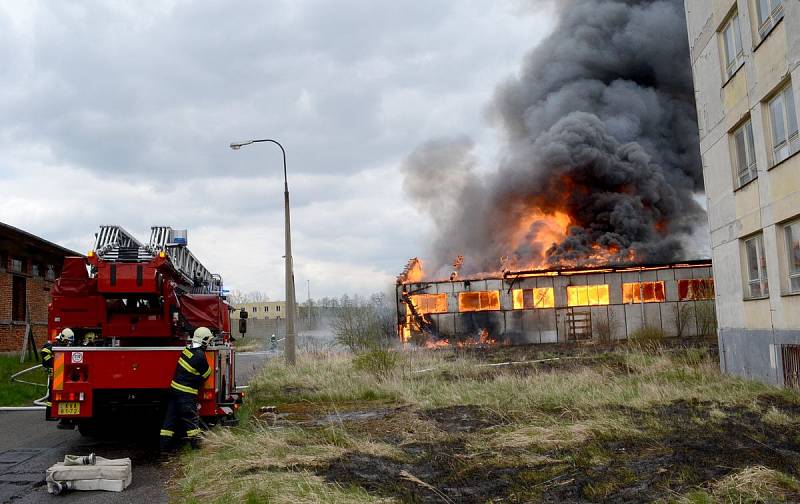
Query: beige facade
x,y
745,55
262,310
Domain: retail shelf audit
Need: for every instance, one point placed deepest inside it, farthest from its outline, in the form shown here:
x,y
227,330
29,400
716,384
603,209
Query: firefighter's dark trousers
x,y
181,418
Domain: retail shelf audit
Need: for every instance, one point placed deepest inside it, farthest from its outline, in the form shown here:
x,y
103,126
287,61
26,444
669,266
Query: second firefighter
x,y
191,371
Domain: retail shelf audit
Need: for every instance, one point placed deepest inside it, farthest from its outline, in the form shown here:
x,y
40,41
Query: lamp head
x,y
239,145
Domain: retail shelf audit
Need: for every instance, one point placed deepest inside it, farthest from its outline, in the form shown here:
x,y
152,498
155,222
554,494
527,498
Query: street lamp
x,y
291,309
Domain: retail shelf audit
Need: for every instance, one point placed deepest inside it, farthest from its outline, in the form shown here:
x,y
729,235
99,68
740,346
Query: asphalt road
x,y
29,445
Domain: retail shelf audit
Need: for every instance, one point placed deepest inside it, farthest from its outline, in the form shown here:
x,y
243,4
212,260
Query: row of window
x,y
19,265
577,295
785,136
254,309
781,104
757,282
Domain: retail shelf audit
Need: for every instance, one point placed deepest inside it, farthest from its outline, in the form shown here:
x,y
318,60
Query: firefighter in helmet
x,y
191,371
65,338
89,339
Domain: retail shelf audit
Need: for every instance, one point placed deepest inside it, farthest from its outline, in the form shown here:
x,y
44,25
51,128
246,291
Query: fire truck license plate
x,y
69,408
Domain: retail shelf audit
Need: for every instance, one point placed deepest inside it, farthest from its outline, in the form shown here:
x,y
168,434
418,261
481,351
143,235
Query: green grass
x,y
19,394
603,417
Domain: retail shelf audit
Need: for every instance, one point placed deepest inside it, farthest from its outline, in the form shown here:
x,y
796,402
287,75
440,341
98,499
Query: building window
x,y
35,270
587,295
783,119
696,289
278,308
17,265
430,303
792,231
542,297
732,45
650,292
757,285
769,13
478,301
255,309
51,272
745,158
266,308
18,298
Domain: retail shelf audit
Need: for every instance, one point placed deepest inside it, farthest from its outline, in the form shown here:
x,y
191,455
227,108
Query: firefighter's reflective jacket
x,y
191,371
47,355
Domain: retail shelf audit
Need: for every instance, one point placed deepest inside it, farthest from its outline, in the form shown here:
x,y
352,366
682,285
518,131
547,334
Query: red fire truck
x,y
133,307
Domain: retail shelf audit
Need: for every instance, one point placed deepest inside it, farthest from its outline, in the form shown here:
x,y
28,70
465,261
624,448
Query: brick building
x,y
28,267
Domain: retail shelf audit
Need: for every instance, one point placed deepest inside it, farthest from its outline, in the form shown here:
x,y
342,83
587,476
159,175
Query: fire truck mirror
x,y
242,326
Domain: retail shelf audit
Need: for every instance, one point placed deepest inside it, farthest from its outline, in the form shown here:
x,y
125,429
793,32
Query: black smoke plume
x,y
600,124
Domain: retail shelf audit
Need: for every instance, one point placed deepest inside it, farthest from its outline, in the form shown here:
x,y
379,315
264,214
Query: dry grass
x,y
543,416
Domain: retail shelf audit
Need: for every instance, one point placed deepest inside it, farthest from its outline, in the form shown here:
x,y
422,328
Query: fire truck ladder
x,y
162,240
113,243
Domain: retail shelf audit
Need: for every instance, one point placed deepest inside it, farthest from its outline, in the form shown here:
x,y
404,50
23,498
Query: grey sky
x,y
120,112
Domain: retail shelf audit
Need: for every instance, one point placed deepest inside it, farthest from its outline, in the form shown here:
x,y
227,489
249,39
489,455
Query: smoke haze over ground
x,y
600,125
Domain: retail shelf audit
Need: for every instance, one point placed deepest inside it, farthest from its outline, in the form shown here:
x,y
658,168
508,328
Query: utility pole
x,y
308,285
290,344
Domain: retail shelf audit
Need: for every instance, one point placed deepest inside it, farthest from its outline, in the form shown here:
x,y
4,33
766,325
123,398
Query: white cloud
x,y
118,114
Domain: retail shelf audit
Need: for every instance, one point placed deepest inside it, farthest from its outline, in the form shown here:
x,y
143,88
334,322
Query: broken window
x,y
587,295
478,301
518,296
542,297
429,303
650,292
696,289
19,299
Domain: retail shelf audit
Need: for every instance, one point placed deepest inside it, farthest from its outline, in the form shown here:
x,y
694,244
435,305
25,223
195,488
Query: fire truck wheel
x,y
88,429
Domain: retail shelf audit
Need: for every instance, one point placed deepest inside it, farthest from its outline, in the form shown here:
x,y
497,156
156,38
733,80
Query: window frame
x,y
767,21
791,272
762,281
640,288
732,62
790,141
492,304
750,173
597,289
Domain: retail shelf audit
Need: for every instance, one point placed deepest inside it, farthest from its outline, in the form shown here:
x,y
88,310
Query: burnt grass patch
x,y
455,419
683,445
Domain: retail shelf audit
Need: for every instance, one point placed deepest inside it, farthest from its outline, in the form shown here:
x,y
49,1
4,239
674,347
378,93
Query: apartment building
x,y
262,310
745,55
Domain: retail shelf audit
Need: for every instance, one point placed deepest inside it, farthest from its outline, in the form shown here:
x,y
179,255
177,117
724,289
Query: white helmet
x,y
202,336
66,335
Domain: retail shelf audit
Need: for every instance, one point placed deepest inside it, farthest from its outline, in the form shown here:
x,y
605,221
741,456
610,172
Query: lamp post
x,y
291,308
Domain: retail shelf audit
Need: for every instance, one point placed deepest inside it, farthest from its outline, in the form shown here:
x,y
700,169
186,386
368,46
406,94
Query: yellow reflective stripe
x,y
183,388
188,367
47,357
207,373
193,432
58,372
187,353
167,433
46,350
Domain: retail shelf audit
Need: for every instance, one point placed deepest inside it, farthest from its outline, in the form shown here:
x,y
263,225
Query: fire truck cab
x,y
133,308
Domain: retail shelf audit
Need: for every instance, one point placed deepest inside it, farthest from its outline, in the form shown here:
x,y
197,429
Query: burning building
x,y
556,305
599,176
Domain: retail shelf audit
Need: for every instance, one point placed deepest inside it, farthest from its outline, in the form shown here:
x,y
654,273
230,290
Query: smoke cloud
x,y
600,125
